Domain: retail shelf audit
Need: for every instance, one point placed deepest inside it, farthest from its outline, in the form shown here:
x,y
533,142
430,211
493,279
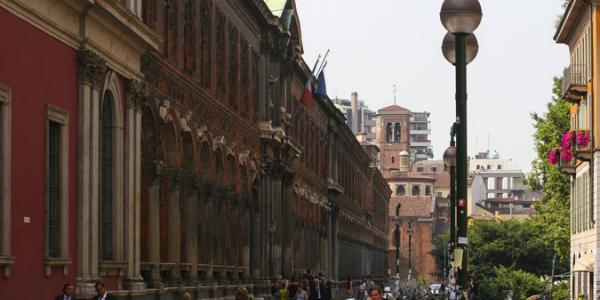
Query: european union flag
x,y
321,86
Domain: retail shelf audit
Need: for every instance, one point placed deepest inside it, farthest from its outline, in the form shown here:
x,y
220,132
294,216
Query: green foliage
x,y
561,291
508,244
506,255
440,243
522,284
553,210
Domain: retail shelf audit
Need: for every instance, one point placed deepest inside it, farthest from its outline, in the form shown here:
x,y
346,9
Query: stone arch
x,y
389,132
294,26
111,162
150,142
397,132
416,190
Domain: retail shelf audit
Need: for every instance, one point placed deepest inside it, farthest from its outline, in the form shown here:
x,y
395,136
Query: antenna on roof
x,y
394,94
488,148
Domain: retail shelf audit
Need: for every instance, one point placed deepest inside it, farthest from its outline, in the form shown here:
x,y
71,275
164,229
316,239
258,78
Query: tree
x,y
439,252
553,209
506,281
509,255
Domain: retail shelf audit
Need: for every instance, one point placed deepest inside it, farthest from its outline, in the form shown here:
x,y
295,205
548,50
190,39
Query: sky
x,y
378,43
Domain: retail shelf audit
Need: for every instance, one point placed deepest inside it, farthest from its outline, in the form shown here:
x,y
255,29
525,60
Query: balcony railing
x,y
574,82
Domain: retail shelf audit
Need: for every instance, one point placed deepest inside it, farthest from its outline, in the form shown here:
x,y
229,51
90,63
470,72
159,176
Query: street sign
x,y
462,240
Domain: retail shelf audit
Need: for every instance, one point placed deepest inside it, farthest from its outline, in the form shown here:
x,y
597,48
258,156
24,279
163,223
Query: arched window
x,y
416,190
400,190
397,133
427,191
388,132
106,178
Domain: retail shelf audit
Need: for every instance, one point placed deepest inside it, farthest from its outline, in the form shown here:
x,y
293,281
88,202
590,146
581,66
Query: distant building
x,y
420,130
416,213
502,190
358,116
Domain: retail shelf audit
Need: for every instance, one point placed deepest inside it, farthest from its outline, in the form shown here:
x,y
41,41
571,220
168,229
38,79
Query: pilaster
x,y
90,70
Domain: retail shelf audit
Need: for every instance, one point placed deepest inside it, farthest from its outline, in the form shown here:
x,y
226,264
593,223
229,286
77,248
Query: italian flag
x,y
307,95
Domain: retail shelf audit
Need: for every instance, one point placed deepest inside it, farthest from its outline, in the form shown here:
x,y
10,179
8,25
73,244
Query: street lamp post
x,y
397,240
410,233
461,18
450,163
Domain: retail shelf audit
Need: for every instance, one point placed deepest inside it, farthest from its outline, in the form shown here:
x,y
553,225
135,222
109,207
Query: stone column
x,y
136,95
245,229
90,72
256,241
191,230
277,199
208,232
234,255
154,224
286,230
175,207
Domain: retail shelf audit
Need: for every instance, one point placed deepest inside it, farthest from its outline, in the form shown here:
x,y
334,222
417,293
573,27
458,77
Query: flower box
x,y
583,145
567,166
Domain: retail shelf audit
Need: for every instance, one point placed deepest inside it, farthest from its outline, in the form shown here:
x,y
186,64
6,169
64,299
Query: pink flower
x,y
553,157
583,138
566,154
567,139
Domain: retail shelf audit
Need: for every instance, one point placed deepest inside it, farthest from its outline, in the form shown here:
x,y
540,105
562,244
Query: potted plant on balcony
x,y
583,147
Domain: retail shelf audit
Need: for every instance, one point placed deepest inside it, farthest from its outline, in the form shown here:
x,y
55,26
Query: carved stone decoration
x,y
90,67
202,129
229,148
184,122
243,157
163,111
218,142
137,94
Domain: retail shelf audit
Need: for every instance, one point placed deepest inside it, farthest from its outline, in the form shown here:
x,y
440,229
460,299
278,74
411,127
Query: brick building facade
x,y
172,154
415,212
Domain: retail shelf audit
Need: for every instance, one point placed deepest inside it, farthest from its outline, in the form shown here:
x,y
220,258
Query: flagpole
x,y
322,68
315,66
323,61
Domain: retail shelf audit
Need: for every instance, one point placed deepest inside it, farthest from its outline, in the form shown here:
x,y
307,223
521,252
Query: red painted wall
x,y
39,70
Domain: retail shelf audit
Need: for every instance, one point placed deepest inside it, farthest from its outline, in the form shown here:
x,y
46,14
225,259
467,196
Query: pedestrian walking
x,y
242,294
375,293
68,293
349,287
362,290
102,293
282,291
301,294
317,292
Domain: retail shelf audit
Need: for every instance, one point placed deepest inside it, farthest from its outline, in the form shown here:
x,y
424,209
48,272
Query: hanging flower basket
x,y
583,145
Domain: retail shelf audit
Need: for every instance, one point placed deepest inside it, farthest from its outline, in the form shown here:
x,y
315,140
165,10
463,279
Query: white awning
x,y
585,263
